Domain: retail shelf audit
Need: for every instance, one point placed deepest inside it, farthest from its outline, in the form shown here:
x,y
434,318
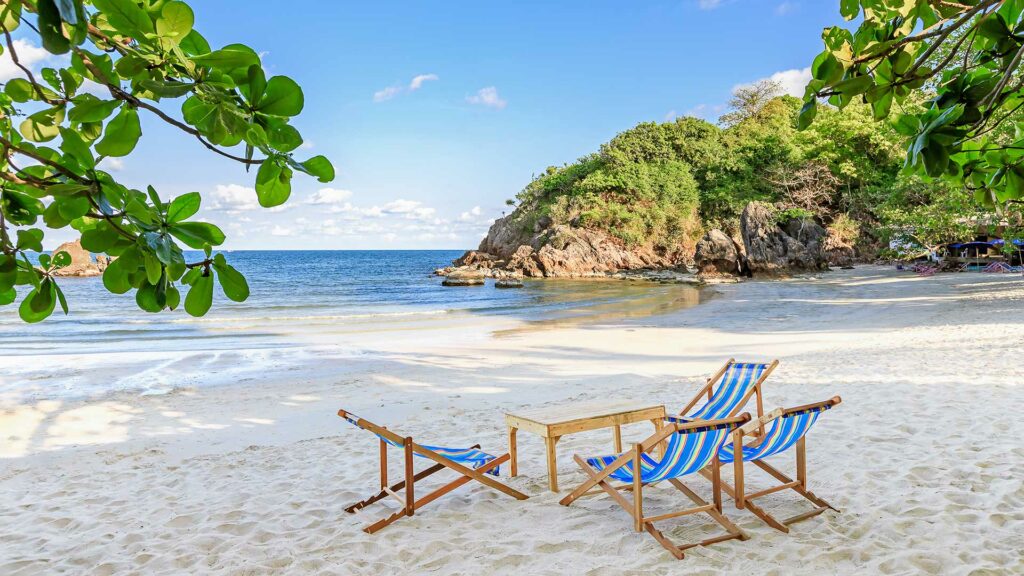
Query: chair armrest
x,y
758,422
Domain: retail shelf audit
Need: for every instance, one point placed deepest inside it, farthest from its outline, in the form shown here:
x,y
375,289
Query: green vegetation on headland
x,y
664,184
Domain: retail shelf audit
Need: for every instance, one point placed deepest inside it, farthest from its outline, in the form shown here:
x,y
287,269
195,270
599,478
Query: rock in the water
x,y
524,261
773,250
717,253
476,258
82,264
464,277
508,283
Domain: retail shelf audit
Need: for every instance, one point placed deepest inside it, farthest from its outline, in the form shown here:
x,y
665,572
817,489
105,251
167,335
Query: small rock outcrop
x,y
82,264
464,277
508,283
775,249
718,254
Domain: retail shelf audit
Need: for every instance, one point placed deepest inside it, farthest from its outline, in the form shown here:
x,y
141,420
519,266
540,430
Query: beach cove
x,y
923,457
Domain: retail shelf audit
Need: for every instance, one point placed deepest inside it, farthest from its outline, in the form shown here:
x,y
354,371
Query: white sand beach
x,y
924,456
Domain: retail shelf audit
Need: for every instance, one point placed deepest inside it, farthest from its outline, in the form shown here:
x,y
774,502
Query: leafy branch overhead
x,y
146,59
966,55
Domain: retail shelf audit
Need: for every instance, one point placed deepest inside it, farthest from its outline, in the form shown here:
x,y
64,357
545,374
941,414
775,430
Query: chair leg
x,y
797,486
394,488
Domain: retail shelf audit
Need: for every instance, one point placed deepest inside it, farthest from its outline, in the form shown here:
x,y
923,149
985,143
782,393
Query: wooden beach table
x,y
553,422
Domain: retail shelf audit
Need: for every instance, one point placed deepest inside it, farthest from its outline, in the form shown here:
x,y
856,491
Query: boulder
x,y
476,258
718,254
82,264
778,250
837,252
508,283
464,277
524,261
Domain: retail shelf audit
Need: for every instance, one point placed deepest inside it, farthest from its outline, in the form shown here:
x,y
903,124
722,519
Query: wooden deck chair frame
x,y
407,486
746,500
755,390
635,508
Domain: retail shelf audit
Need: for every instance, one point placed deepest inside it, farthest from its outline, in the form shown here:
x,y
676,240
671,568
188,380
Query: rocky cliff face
x,y
82,264
561,250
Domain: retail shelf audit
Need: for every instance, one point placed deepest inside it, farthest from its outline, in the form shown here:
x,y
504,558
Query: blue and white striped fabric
x,y
734,385
784,432
471,456
686,453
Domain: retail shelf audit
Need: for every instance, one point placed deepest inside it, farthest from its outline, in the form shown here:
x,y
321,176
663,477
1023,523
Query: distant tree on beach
x,y
126,59
966,55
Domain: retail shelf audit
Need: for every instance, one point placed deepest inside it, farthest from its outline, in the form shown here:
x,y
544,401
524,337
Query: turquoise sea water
x,y
338,295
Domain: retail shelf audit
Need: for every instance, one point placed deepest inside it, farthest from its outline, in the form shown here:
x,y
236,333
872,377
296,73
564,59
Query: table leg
x,y
513,455
618,438
658,423
552,463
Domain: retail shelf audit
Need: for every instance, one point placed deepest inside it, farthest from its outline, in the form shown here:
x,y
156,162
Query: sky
x,y
435,113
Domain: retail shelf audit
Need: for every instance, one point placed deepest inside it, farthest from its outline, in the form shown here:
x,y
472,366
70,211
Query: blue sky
x,y
503,90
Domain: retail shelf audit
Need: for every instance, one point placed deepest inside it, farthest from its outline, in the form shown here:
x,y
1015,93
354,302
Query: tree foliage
x,y
128,59
967,131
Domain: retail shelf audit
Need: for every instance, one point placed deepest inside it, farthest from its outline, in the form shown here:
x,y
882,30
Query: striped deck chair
x,y
737,382
689,448
472,464
789,427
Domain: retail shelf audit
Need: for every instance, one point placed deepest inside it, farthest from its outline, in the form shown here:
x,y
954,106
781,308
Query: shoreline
x,y
220,481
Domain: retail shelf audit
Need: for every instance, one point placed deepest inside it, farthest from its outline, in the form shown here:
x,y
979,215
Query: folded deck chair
x,y
472,464
736,382
789,427
689,448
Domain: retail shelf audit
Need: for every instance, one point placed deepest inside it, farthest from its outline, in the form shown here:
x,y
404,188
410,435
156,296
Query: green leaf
x,y
8,296
854,86
99,239
196,235
61,259
122,133
126,17
283,97
39,303
30,239
60,298
167,88
227,59
175,21
8,272
153,267
183,207
273,183
50,29
10,17
115,277
231,281
150,298
807,114
284,138
72,144
89,108
44,125
20,90
320,167
849,8
200,296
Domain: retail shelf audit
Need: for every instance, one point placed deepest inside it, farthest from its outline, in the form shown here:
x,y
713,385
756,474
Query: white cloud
x,y
786,8
401,206
112,164
28,54
792,81
386,94
329,196
418,81
708,4
281,231
234,197
471,215
487,97
415,84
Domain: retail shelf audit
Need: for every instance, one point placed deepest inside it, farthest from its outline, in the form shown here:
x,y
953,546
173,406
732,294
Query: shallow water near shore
x,y
347,302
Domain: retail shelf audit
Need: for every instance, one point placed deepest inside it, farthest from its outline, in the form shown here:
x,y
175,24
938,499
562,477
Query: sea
x,y
356,299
